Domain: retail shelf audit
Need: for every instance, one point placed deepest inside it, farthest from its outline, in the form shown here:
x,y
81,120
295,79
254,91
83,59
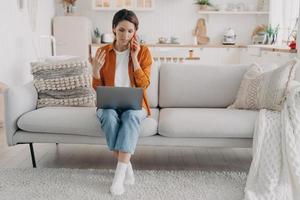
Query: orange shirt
x,y
138,78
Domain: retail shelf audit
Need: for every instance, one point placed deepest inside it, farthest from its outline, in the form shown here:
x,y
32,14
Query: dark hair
x,y
125,14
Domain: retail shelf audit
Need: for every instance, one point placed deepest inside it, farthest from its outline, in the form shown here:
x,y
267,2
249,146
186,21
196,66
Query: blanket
x,y
275,169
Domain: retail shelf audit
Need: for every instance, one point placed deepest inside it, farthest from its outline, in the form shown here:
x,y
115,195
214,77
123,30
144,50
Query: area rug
x,y
80,184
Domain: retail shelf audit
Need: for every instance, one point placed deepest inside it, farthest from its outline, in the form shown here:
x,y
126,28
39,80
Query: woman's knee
x,y
130,114
107,113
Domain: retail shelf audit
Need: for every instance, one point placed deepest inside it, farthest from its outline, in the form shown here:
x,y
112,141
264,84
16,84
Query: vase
x,y
270,39
70,9
203,7
97,40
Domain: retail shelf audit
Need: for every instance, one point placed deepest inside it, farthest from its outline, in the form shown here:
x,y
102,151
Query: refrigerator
x,y
73,34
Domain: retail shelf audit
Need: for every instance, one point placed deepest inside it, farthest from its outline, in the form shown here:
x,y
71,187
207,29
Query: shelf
x,y
234,12
271,48
187,45
116,9
115,5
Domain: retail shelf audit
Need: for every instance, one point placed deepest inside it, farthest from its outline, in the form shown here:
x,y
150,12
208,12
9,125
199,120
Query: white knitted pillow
x,y
267,90
63,83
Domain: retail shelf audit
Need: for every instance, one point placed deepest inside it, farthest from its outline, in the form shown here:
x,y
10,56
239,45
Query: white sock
x,y
117,187
129,177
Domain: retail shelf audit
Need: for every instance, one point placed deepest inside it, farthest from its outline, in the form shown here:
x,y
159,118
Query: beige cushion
x,y
267,90
206,86
63,83
205,122
152,90
75,121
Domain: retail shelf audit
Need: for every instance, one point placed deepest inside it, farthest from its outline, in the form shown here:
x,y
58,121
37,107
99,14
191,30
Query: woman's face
x,y
124,32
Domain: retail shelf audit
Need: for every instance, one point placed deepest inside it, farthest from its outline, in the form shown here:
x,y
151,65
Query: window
x,y
285,13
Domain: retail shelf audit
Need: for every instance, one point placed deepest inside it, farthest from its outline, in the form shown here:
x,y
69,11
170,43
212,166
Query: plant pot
x,y
203,7
97,40
70,10
270,39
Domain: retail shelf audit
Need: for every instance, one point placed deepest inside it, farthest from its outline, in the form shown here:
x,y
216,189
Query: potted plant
x,y
203,4
97,37
272,34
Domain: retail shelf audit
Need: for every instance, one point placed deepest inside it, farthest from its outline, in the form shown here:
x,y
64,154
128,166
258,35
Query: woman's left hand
x,y
134,48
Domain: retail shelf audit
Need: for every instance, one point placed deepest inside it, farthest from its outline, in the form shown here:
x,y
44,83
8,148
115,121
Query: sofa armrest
x,y
17,101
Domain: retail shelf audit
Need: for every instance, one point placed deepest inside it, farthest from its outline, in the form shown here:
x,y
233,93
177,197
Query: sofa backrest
x,y
209,86
152,90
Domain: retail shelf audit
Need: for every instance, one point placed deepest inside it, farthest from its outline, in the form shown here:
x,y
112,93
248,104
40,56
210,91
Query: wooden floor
x,y
145,158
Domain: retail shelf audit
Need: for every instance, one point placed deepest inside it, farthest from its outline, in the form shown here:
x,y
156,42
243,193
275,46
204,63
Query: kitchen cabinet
x,y
73,35
113,5
229,55
206,55
234,12
216,54
266,59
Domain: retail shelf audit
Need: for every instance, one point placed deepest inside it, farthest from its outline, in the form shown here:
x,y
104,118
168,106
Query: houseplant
x,y
272,34
203,4
97,37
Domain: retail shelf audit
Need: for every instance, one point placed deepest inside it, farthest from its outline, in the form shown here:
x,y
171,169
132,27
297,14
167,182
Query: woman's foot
x,y
117,187
129,177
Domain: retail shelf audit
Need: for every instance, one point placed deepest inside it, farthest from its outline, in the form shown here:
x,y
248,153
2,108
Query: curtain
x,y
284,13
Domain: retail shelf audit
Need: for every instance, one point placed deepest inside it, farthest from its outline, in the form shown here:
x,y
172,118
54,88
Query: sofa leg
x,y
32,155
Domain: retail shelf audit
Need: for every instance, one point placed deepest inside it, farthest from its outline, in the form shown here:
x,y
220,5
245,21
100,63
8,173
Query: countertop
x,y
262,47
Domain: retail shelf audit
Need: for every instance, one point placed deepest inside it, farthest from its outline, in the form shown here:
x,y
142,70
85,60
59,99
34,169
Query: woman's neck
x,y
119,47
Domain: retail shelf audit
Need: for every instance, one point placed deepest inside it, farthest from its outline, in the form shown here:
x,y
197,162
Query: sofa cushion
x,y
63,83
152,90
203,122
206,86
267,90
75,120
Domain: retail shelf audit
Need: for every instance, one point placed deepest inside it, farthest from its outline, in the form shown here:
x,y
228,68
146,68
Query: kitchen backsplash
x,y
178,18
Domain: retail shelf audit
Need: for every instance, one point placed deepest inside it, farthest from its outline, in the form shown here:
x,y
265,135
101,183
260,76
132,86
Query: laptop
x,y
127,98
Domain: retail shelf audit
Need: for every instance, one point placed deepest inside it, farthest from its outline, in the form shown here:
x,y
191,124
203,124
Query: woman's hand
x,y
97,62
134,47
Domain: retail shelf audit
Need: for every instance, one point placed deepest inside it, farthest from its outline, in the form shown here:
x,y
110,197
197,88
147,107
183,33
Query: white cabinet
x,y
73,35
267,59
217,55
142,5
229,55
207,55
233,12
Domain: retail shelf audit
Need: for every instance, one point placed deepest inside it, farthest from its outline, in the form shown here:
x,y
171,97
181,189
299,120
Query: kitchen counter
x,y
262,47
273,48
187,45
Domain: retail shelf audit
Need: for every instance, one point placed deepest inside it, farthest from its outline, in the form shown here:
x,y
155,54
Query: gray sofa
x,y
188,104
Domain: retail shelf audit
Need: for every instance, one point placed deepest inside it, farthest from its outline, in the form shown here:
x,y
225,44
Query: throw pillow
x,y
267,90
63,83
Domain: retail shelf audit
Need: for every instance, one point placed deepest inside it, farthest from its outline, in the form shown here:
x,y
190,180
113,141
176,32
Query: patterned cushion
x,y
63,83
267,90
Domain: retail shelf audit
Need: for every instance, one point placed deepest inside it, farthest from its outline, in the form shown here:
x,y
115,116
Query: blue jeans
x,y
121,128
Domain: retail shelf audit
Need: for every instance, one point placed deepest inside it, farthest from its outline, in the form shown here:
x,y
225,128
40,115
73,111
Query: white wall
x,y
178,17
17,49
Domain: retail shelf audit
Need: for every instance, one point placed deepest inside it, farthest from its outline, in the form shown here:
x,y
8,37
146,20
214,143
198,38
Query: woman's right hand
x,y
97,62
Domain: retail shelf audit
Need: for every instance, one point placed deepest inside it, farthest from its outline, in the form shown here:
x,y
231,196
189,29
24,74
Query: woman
x,y
124,63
